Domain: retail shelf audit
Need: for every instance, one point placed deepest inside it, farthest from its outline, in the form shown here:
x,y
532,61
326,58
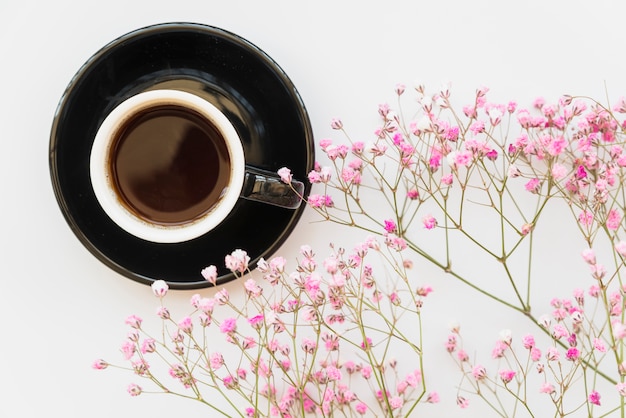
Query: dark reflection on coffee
x,y
169,165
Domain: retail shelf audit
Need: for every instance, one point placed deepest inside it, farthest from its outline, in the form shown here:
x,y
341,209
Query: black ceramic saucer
x,y
236,76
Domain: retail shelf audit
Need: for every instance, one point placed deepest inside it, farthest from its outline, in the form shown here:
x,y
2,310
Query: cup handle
x,y
267,187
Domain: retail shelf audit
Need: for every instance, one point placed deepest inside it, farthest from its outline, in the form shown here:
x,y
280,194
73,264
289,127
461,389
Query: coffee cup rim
x,y
102,182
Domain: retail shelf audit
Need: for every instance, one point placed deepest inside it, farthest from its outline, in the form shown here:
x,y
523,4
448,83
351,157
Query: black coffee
x,y
169,165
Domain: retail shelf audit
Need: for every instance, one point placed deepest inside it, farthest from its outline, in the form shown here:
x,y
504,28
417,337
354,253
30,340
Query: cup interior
x,y
167,166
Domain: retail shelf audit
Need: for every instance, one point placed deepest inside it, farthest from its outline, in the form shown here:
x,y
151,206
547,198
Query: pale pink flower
x,y
599,345
159,288
462,402
614,219
433,397
621,388
285,175
237,261
589,256
210,274
134,389
558,171
535,354
134,321
447,179
336,123
360,408
366,372
252,288
128,349
552,354
216,360
547,388
186,325
620,247
100,364
585,218
396,402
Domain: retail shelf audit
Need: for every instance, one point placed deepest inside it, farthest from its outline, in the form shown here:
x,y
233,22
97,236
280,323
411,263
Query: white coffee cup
x,y
168,166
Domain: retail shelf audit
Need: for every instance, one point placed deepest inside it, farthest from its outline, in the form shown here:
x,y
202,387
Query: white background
x,y
61,308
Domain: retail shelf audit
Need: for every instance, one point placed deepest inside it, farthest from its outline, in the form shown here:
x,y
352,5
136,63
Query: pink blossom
x,y
599,345
535,354
614,219
462,402
256,321
228,326
506,375
360,408
589,256
585,218
216,360
533,185
499,349
252,288
433,397
325,143
594,398
621,388
210,274
429,222
528,341
396,402
547,388
336,124
237,261
186,325
479,372
366,372
552,354
134,321
99,364
159,288
134,389
390,226
558,171
447,179
572,353
285,175
620,247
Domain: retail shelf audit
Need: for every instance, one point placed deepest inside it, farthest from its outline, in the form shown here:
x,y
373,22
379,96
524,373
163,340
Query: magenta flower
x,y
572,354
228,326
594,398
390,226
429,222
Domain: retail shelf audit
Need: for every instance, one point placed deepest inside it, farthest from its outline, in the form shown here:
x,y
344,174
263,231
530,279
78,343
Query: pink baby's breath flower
x,y
336,124
433,397
547,387
285,175
134,389
99,364
390,226
585,218
360,408
216,360
572,354
429,222
479,372
228,326
599,345
594,398
533,185
506,375
210,274
159,288
462,402
528,341
621,389
237,261
613,220
134,321
186,325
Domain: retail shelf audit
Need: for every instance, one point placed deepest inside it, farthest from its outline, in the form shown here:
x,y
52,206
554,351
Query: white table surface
x,y
61,308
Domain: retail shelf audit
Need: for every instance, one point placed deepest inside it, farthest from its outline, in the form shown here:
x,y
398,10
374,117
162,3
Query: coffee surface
x,y
169,165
